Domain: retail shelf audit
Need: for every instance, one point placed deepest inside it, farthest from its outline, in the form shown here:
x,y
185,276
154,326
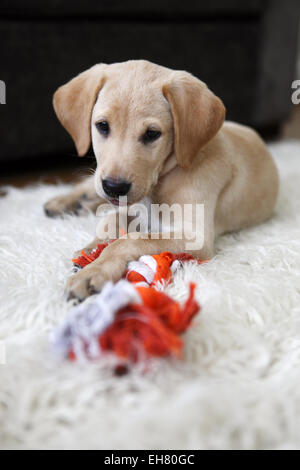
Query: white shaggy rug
x,y
238,386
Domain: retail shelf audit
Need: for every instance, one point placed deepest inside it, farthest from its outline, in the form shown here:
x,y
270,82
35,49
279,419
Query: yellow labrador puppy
x,y
160,133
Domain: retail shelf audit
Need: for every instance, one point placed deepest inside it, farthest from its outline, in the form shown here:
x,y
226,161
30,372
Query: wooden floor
x,y
291,129
64,170
50,175
82,167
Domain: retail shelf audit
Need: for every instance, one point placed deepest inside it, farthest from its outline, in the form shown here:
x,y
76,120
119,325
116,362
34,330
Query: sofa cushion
x,y
129,8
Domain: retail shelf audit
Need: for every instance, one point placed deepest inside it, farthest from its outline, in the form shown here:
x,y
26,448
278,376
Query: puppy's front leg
x,y
108,229
113,261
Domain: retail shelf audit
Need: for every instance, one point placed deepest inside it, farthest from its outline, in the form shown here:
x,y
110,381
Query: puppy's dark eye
x,y
150,135
103,127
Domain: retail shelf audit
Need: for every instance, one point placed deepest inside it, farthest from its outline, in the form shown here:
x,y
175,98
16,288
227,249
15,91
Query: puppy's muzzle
x,y
115,188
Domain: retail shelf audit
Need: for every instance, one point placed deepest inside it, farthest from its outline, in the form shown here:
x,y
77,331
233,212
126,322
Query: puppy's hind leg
x,y
82,197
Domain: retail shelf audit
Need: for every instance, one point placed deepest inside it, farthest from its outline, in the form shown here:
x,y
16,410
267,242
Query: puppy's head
x,y
137,114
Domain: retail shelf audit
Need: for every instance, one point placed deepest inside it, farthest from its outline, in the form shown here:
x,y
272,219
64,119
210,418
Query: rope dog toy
x,y
130,318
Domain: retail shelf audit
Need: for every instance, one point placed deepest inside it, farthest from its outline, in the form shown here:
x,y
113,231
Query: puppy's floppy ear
x,y
74,102
197,115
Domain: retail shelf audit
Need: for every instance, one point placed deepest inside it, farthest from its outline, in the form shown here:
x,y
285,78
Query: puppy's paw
x,y
79,286
92,278
60,205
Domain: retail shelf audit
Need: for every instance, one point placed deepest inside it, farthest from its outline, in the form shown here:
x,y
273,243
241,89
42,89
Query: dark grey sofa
x,y
245,51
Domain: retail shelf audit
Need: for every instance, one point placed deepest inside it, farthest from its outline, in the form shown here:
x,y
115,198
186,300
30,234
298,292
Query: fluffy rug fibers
x,y
238,385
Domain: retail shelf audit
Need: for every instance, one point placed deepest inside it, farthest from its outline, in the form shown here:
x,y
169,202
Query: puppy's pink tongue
x,y
115,202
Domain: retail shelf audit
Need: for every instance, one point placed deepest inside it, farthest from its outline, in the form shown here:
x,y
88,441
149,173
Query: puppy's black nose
x,y
115,188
